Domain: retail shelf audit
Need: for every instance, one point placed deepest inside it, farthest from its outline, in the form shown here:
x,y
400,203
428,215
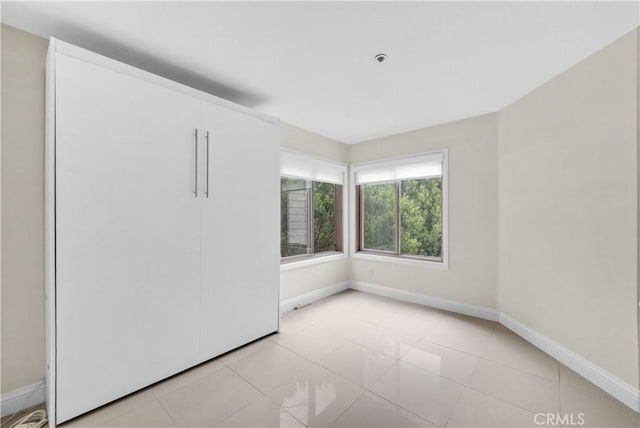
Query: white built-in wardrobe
x,y
162,228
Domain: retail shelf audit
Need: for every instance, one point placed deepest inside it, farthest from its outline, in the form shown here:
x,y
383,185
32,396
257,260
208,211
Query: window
x,y
311,201
310,211
401,208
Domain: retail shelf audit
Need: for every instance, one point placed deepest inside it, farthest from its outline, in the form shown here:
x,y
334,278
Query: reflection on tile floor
x,y
360,360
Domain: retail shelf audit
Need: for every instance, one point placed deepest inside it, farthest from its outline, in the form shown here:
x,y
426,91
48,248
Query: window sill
x,y
313,260
401,260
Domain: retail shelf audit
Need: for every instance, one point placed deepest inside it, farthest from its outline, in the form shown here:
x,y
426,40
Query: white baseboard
x,y
422,299
312,296
613,385
22,398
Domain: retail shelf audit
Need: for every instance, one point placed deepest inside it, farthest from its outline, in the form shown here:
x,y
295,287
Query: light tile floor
x,y
360,360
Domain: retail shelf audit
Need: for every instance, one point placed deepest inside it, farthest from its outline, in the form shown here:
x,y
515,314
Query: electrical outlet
x,y
370,272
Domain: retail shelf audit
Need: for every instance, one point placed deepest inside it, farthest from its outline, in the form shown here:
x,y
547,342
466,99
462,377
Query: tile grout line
x,y
453,408
246,380
401,407
468,386
263,395
165,410
501,400
519,370
324,355
559,387
151,387
364,391
265,339
199,378
253,402
112,403
349,380
435,374
103,423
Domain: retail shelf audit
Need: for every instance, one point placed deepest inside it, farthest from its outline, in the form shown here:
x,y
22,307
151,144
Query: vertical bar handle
x,y
195,181
206,191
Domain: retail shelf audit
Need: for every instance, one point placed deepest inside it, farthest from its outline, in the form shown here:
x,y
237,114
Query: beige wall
x,y
304,141
568,209
309,278
23,59
473,212
305,279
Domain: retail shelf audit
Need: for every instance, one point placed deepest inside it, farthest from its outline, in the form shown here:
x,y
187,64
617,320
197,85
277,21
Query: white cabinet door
x,y
240,231
128,235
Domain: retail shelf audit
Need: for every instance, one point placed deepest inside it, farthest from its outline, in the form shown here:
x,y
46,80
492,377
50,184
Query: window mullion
x,y
398,239
360,211
311,226
338,216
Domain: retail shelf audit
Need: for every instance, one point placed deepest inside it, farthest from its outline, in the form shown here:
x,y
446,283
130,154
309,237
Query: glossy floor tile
x,y
185,378
291,325
244,351
312,342
361,360
349,328
357,363
208,400
103,414
474,325
316,396
150,415
521,389
475,409
370,308
262,413
270,367
596,409
388,341
410,320
446,362
427,395
509,349
569,377
457,336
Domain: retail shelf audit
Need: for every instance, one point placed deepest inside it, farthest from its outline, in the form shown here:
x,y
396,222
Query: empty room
x,y
320,214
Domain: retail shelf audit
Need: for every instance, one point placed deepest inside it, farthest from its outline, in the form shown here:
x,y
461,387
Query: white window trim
x,y
329,256
353,169
313,260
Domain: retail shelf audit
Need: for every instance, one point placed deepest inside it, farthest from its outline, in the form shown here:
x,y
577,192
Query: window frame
x,y
341,214
357,250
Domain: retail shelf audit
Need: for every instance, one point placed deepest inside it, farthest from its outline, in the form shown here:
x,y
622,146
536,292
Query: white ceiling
x,y
311,63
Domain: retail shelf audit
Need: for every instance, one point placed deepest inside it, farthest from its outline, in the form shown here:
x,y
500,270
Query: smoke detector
x,y
380,57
